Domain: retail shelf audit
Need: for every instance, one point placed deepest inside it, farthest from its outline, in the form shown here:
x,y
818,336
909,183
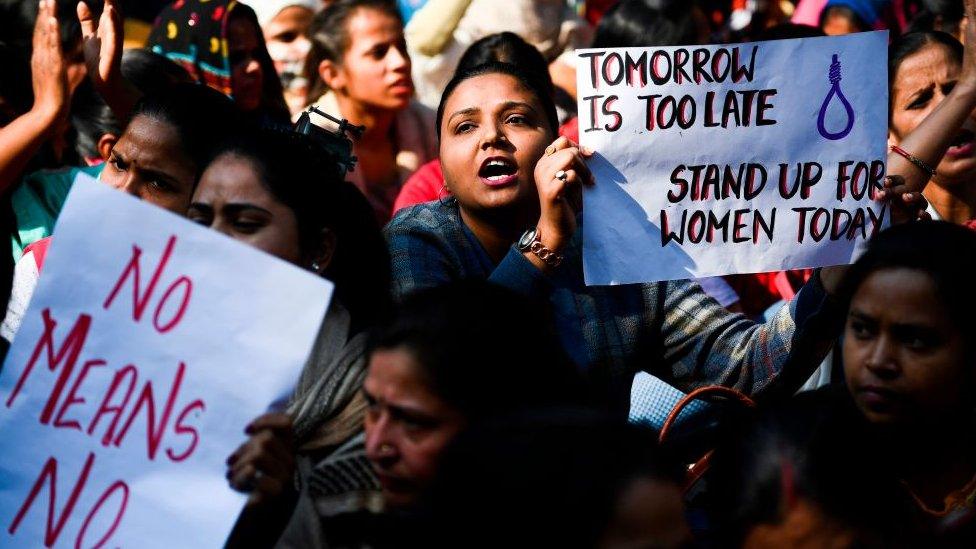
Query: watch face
x,y
526,240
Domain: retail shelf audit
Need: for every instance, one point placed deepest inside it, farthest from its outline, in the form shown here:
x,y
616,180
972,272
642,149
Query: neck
x,y
935,464
955,203
377,121
497,231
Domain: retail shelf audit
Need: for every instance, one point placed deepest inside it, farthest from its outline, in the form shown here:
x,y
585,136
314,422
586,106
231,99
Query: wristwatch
x,y
531,241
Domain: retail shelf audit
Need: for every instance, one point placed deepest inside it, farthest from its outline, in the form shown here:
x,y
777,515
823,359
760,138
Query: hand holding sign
x,y
559,176
717,160
133,376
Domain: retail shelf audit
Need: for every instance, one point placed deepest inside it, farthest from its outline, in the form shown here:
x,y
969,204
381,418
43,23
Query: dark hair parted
x,y
944,251
309,181
483,349
330,36
632,23
201,116
532,83
506,47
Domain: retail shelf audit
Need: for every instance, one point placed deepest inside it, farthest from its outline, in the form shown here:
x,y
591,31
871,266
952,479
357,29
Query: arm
x,y
21,139
930,140
704,344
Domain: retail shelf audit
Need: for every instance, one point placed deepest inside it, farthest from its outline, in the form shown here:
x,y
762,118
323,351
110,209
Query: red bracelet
x,y
914,160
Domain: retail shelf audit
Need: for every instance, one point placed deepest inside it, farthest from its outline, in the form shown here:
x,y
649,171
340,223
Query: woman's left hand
x,y
559,176
907,204
264,466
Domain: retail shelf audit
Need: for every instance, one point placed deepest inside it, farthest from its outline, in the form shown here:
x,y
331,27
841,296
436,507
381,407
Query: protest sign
x,y
741,158
149,344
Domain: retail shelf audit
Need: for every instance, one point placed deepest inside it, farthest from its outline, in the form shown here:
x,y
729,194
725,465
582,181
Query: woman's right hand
x,y
559,176
103,46
49,70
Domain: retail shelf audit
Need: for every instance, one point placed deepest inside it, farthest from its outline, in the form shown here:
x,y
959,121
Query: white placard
x,y
149,344
740,158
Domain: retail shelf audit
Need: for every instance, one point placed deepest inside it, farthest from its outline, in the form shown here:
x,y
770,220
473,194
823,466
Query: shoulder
x,y
440,218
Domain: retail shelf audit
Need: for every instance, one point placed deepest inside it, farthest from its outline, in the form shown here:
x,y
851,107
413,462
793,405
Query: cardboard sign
x,y
742,158
148,346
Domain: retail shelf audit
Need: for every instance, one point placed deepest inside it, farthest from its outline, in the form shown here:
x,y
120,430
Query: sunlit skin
x,y
149,162
247,76
493,116
285,35
232,200
375,69
407,425
904,361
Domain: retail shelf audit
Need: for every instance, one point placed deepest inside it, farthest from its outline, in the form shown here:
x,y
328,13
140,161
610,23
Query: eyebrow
x,y
508,105
232,207
149,173
463,112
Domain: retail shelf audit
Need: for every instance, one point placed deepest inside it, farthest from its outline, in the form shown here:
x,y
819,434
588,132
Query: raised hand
x,y
559,176
49,71
103,45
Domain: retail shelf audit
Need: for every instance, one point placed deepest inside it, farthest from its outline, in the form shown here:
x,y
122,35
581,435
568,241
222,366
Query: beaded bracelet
x,y
914,160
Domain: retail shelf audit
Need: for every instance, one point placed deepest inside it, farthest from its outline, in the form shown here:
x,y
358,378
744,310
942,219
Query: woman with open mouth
x,y
512,219
923,67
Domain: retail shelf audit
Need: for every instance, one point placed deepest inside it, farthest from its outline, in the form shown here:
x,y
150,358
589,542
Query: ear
x,y
319,259
333,76
105,144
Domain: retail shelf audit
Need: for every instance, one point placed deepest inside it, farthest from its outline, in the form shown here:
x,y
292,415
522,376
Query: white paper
x,y
243,336
633,166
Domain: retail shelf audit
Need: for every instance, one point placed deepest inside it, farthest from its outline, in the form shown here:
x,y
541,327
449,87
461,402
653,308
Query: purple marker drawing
x,y
834,77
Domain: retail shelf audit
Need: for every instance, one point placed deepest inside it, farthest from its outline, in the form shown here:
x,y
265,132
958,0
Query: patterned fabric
x,y
669,329
194,34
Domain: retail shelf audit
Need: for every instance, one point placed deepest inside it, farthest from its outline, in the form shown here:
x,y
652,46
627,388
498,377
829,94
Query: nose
x,y
399,60
252,68
381,447
881,360
493,136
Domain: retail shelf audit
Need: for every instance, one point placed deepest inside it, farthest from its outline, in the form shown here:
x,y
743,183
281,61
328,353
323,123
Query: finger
x,y
579,164
242,479
273,421
236,455
86,20
559,144
586,151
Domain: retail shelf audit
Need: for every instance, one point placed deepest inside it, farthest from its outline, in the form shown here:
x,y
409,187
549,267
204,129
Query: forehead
x,y
395,377
931,64
241,31
368,26
153,137
488,92
901,295
232,178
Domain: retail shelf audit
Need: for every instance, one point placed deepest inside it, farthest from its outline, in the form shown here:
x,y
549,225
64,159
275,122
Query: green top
x,y
37,201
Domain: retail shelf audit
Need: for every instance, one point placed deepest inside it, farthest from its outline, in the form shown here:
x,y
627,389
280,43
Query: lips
x,y
402,86
877,398
962,144
498,171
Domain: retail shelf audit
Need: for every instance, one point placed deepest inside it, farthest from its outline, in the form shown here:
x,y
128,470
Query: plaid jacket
x,y
671,330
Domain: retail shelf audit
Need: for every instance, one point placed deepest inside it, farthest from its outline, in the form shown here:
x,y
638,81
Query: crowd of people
x,y
466,389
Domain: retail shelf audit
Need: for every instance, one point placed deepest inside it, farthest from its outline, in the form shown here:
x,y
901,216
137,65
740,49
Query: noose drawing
x,y
834,77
